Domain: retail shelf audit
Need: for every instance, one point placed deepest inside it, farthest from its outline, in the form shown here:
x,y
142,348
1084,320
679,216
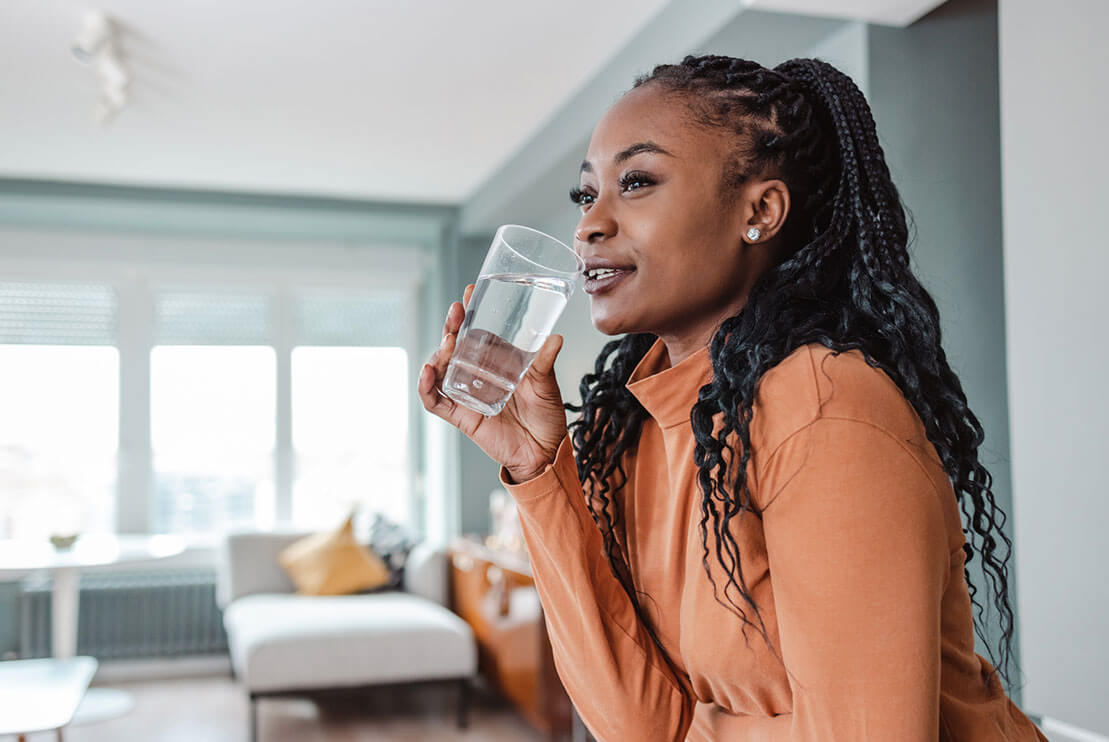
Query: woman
x,y
776,443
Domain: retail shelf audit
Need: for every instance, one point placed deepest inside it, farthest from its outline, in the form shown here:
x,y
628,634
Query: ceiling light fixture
x,y
96,31
97,45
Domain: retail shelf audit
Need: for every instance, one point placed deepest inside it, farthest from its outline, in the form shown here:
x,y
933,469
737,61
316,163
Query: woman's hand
x,y
526,434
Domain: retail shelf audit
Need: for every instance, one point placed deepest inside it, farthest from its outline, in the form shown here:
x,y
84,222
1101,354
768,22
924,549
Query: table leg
x,y
64,603
98,703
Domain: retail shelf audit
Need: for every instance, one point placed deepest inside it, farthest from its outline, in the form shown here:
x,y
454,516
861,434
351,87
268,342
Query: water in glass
x,y
509,318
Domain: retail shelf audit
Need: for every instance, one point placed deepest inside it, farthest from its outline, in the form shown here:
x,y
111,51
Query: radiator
x,y
131,616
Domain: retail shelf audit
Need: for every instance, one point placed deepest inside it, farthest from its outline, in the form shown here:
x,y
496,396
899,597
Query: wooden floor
x,y
215,709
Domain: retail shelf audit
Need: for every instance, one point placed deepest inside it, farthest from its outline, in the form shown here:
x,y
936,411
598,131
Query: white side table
x,y
42,695
94,552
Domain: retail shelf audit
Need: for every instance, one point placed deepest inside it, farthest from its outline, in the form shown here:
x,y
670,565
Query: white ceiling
x,y
393,100
400,100
885,12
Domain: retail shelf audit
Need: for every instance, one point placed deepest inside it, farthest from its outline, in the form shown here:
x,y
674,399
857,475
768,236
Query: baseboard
x,y
117,671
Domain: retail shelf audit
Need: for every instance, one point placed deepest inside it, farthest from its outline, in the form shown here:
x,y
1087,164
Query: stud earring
x,y
753,234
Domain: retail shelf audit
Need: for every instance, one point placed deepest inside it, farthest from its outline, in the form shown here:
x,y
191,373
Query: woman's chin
x,y
608,323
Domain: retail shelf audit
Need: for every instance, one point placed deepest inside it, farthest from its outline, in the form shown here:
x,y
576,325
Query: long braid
x,y
609,425
842,280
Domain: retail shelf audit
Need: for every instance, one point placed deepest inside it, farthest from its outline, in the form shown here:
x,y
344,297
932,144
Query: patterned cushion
x,y
391,542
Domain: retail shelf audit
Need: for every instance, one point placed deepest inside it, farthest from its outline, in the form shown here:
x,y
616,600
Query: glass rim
x,y
577,258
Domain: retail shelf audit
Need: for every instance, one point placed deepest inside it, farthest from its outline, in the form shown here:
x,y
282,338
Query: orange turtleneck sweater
x,y
855,562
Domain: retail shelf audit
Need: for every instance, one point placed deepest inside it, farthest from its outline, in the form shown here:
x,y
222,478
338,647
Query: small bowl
x,y
63,542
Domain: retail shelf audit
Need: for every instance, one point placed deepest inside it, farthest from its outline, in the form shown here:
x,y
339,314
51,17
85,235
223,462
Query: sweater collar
x,y
668,393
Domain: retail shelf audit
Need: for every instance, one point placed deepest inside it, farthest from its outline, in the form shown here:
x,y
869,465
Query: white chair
x,y
284,644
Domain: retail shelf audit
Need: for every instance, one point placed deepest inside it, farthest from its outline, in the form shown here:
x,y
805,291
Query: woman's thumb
x,y
543,364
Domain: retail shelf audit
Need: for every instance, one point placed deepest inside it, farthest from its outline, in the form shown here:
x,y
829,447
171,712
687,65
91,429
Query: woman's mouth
x,y
600,280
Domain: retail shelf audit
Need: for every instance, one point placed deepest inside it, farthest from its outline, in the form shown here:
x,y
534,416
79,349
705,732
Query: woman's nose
x,y
594,225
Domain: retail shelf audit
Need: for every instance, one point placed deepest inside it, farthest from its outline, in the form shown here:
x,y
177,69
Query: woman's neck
x,y
680,347
681,344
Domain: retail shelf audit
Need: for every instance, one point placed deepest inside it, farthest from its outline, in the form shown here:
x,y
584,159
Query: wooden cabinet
x,y
494,592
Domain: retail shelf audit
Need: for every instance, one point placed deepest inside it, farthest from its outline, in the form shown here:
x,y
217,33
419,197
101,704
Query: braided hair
x,y
842,279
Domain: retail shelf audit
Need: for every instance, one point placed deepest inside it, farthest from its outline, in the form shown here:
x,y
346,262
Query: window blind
x,y
195,317
57,313
377,319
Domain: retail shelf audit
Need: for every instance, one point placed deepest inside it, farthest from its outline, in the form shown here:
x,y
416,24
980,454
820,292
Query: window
x,y
59,408
350,433
236,396
58,434
350,402
212,435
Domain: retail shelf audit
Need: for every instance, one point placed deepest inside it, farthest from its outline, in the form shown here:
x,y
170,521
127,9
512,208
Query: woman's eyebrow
x,y
623,155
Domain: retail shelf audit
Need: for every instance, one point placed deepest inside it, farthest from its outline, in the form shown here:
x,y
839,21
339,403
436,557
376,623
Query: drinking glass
x,y
523,286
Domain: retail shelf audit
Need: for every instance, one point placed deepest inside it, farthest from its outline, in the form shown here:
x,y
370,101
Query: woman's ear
x,y
768,203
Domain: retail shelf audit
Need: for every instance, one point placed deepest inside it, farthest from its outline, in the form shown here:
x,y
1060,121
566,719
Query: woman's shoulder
x,y
815,382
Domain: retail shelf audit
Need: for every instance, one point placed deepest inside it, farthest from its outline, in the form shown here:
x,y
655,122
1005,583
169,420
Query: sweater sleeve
x,y
620,682
859,560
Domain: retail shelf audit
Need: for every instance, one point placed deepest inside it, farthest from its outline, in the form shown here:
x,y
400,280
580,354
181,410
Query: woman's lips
x,y
601,285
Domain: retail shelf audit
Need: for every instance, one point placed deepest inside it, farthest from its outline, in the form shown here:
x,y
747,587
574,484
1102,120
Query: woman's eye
x,y
633,181
578,196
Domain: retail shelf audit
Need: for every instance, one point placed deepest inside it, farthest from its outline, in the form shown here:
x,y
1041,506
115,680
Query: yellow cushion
x,y
333,563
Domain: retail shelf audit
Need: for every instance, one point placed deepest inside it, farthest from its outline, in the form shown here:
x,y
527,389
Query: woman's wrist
x,y
526,472
519,476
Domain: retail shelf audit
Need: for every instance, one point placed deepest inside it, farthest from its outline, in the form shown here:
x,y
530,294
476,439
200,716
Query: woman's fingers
x,y
425,385
430,380
442,356
428,386
429,383
431,395
455,314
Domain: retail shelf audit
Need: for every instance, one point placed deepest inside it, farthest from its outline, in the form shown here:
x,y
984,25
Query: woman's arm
x,y
616,676
621,684
859,560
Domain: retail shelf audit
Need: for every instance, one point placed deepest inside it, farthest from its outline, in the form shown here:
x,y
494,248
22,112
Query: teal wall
x,y
177,212
934,92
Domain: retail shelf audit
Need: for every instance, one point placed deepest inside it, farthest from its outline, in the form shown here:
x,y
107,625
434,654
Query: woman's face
x,y
678,260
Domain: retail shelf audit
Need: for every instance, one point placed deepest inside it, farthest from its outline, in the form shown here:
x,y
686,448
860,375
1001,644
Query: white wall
x,y
1054,78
